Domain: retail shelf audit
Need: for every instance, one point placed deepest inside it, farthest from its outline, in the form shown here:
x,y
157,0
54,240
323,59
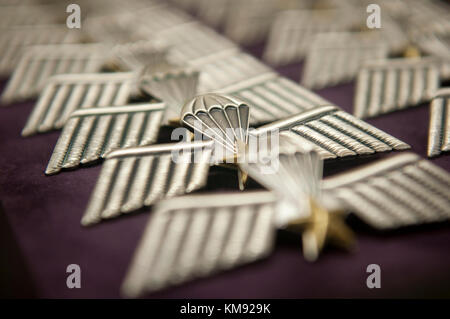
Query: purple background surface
x,y
42,232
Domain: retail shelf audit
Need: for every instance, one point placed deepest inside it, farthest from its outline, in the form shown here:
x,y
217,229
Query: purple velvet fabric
x,y
43,215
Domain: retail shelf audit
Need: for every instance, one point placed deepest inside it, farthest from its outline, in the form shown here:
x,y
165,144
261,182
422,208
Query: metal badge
x,y
195,236
292,31
400,191
136,177
334,133
90,134
129,172
335,58
15,39
330,131
439,130
181,239
389,85
38,63
66,93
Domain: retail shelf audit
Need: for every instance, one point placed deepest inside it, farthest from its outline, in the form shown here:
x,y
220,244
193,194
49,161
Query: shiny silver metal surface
x,y
90,134
403,190
66,93
224,119
38,63
136,177
196,236
439,130
394,84
334,133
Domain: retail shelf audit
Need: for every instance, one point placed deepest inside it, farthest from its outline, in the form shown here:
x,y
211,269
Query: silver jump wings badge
x,y
196,236
199,235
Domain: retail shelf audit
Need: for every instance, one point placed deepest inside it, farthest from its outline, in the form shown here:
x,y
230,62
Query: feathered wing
x,y
393,84
439,130
334,133
38,63
136,177
66,93
13,39
195,236
92,133
399,191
